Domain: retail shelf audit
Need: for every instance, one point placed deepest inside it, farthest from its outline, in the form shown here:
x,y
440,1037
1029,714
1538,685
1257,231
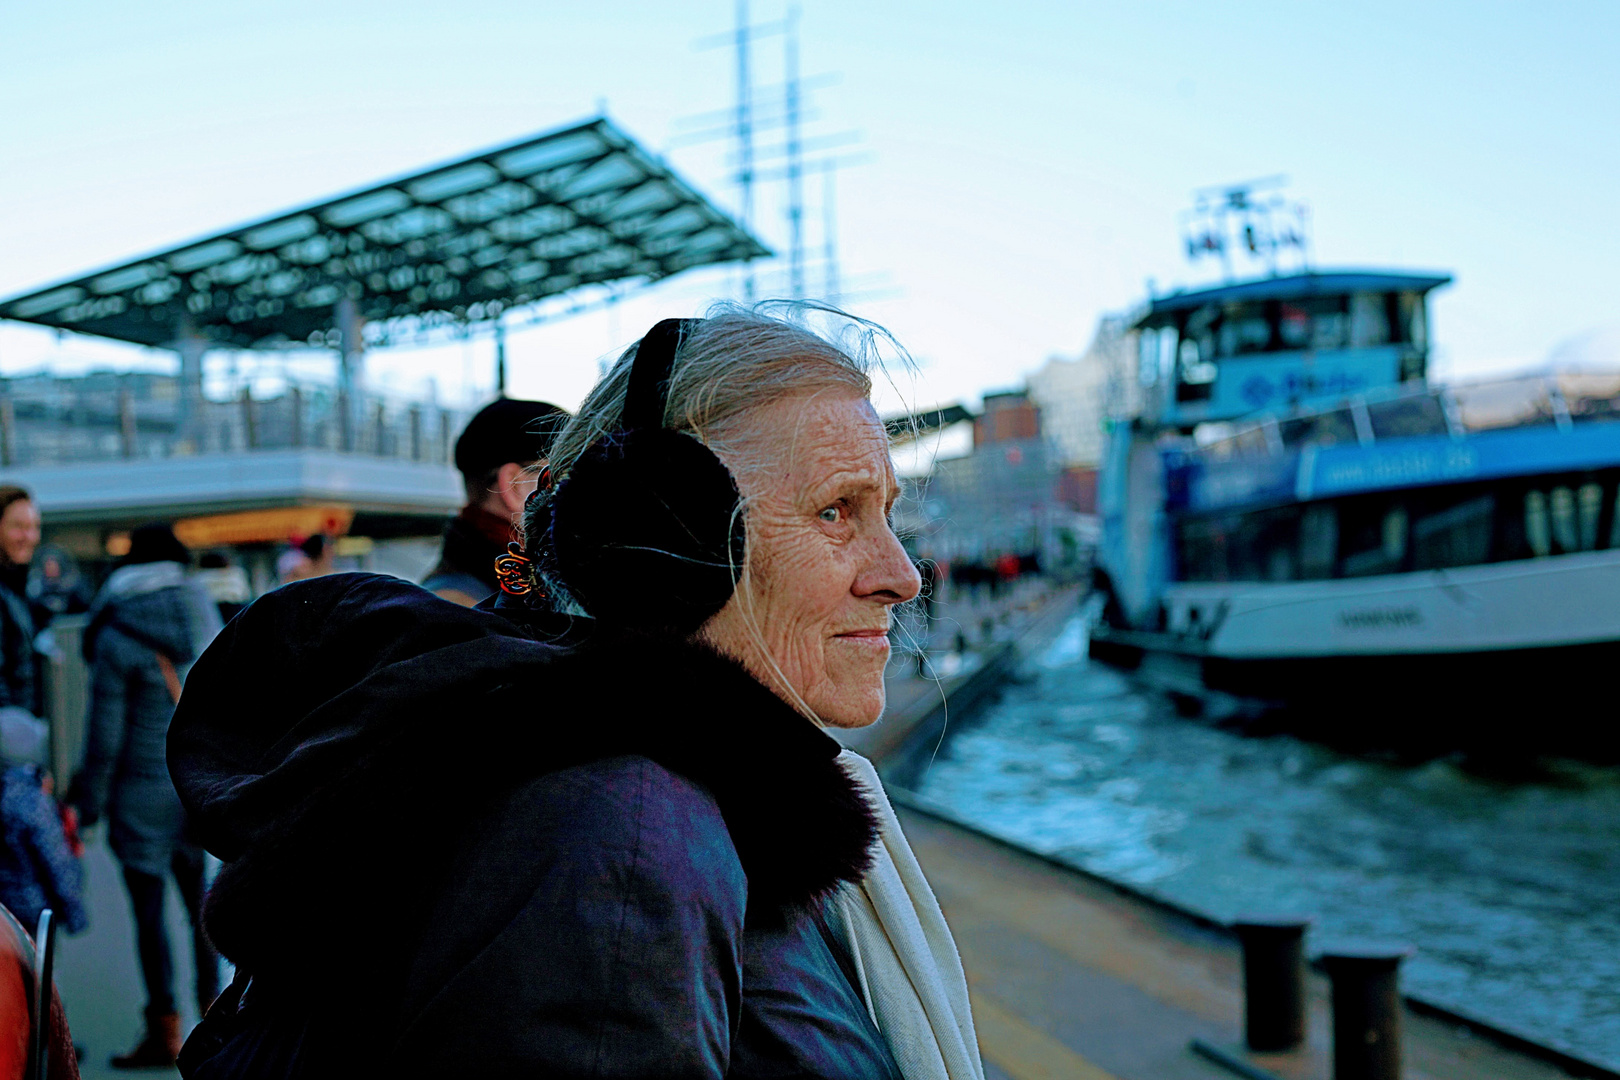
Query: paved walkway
x,y
1071,979
99,978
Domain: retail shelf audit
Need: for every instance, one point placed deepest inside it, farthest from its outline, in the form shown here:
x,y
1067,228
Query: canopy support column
x,y
191,346
351,371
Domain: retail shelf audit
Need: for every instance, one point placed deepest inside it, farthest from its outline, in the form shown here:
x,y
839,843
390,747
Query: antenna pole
x,y
829,227
795,159
745,139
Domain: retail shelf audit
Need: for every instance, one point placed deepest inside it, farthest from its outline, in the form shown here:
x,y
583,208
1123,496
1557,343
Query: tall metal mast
x,y
745,139
795,158
829,229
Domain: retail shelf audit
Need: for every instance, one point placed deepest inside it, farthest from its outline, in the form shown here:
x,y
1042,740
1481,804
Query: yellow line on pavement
x,y
1025,1052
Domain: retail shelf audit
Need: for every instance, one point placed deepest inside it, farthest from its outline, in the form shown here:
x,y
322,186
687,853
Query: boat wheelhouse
x,y
1320,529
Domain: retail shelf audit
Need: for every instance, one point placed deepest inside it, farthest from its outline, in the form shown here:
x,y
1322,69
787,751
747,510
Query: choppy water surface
x,y
1510,891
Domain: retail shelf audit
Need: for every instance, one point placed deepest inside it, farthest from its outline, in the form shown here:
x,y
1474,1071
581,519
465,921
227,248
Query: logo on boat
x,y
1384,618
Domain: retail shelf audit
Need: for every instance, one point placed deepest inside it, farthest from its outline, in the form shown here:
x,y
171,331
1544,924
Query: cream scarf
x,y
905,959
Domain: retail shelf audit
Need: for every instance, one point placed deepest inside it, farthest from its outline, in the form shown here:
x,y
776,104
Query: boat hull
x,y
1508,657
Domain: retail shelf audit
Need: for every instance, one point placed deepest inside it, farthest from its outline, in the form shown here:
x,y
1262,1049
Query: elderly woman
x,y
530,843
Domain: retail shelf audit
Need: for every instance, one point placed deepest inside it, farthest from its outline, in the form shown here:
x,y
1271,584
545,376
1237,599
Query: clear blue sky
x,y
1028,160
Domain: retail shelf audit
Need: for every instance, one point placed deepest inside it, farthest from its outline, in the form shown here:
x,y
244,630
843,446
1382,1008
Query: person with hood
x,y
497,455
147,626
543,845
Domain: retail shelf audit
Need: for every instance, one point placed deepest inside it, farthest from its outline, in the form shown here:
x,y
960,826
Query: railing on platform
x,y
67,695
49,420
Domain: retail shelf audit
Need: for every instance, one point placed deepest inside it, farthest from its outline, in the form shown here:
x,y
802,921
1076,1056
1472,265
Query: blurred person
x,y
313,556
20,676
226,584
57,584
672,870
148,624
496,455
39,864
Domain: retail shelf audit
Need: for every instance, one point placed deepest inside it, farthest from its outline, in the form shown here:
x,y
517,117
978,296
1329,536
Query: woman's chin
x,y
853,710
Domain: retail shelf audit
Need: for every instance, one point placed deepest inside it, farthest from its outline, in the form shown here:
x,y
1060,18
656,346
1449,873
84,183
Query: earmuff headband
x,y
645,528
648,394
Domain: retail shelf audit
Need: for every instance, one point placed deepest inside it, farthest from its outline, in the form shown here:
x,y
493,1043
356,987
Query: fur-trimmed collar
x,y
339,731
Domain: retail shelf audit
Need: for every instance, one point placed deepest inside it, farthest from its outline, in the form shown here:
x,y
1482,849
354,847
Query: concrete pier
x,y
1072,978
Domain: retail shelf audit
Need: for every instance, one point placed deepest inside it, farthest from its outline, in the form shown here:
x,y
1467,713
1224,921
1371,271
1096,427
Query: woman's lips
x,y
866,639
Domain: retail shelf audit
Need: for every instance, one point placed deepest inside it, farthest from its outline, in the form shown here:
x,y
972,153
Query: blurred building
x,y
1075,398
1000,498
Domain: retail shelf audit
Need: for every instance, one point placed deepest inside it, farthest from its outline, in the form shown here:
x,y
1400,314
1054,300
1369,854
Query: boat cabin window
x,y
1156,350
1440,528
1418,414
1208,335
1319,429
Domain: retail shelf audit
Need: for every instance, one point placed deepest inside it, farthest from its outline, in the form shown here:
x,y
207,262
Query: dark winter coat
x,y
142,611
37,870
453,850
19,662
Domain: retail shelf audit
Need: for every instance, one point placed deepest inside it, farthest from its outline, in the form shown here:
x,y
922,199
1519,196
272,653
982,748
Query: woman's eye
x,y
831,515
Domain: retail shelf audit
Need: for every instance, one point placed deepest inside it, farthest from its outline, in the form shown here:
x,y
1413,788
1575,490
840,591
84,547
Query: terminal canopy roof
x,y
461,241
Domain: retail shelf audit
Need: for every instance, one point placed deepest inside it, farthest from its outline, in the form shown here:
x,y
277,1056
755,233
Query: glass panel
x,y
1562,505
1536,531
1201,550
1457,536
1318,540
1372,538
1517,403
1294,327
1407,417
1369,325
1589,504
1245,330
1417,325
1329,329
1591,395
1395,535
1323,429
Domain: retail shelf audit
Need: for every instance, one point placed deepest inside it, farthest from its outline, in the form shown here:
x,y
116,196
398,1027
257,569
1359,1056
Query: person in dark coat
x,y
19,621
147,625
514,842
496,455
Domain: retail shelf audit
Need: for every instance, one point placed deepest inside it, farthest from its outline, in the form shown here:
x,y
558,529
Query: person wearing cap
x,y
496,455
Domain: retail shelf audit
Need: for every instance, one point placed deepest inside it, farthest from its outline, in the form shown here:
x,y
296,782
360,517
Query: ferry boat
x,y
1297,518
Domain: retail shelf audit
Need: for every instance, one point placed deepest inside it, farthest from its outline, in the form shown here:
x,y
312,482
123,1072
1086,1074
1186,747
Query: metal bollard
x,y
1273,982
1366,1010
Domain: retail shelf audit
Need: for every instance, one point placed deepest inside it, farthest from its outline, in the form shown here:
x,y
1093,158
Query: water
x,y
1510,891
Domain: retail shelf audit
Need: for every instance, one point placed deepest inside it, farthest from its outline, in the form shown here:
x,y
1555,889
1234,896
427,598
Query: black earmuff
x,y
647,529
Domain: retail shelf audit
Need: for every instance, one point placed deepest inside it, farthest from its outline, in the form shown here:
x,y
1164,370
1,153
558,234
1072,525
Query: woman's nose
x,y
891,577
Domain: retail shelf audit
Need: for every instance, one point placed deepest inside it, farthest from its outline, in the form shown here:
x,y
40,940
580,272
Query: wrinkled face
x,y
825,568
19,532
